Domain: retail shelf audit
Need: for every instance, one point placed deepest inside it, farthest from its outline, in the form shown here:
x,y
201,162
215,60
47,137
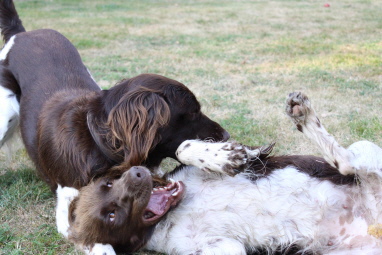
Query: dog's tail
x,y
10,22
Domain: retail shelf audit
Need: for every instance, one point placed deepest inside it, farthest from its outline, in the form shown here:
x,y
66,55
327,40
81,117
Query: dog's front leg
x,y
65,196
298,108
100,249
221,157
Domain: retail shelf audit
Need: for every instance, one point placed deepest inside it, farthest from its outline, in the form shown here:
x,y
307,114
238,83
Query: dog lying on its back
x,y
278,203
281,201
74,132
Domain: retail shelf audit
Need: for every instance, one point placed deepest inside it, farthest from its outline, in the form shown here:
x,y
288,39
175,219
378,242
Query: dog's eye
x,y
109,184
112,216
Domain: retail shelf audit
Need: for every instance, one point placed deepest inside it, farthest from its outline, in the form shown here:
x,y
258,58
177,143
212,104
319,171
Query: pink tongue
x,y
157,203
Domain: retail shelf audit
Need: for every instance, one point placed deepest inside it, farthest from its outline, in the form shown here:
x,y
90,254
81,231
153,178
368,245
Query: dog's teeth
x,y
171,180
155,189
174,194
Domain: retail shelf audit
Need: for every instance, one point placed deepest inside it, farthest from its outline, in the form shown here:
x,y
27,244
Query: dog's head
x,y
150,116
121,210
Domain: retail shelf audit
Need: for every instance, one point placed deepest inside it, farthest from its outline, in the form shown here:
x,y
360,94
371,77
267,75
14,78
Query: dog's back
x,y
43,62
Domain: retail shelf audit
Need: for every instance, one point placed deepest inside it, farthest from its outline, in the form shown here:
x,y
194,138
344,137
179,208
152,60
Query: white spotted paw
x,y
229,158
235,160
100,249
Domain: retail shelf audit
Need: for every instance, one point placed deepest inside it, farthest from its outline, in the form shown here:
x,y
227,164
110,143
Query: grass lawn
x,y
240,58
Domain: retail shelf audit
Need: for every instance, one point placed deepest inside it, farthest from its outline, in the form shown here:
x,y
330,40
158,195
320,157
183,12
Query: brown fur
x,y
134,123
73,131
126,199
76,133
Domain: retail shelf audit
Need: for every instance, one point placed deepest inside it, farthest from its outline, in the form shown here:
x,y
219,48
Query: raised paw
x,y
298,107
228,157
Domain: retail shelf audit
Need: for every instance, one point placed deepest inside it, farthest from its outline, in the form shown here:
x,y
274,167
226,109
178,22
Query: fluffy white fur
x,y
9,116
220,214
224,215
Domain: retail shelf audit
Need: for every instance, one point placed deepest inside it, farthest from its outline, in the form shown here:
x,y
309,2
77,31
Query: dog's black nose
x,y
226,136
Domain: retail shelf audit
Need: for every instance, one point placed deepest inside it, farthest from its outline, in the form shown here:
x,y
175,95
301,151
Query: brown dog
x,y
75,132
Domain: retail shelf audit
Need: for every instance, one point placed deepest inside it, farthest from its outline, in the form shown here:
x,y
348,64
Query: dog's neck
x,y
99,135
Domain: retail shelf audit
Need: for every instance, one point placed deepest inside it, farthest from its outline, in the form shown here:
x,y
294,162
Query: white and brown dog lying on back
x,y
277,203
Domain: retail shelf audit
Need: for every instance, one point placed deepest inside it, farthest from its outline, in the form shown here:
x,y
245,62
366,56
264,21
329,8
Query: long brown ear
x,y
134,123
74,230
72,208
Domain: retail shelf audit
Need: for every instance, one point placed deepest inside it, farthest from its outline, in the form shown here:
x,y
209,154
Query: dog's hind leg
x,y
298,108
362,157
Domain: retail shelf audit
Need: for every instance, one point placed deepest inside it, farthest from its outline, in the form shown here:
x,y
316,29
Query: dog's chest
x,y
286,207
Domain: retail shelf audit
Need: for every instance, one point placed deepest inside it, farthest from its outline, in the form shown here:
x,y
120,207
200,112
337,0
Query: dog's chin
x,y
162,199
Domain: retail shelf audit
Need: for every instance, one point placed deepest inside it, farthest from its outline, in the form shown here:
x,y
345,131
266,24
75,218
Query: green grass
x,y
240,58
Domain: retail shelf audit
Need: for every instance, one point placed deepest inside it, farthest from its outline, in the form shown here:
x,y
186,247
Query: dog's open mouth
x,y
162,199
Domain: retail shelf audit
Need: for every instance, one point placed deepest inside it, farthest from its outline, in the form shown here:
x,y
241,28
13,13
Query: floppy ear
x,y
74,232
134,123
72,208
